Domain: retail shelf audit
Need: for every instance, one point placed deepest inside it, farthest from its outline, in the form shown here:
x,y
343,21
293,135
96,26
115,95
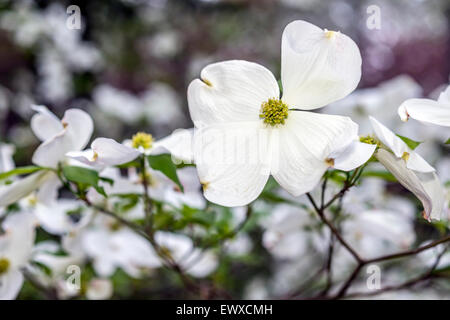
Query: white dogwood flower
x,y
245,132
58,137
71,133
106,152
426,110
411,170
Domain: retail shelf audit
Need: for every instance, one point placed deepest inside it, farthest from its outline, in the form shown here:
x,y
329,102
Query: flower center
x,y
274,112
4,265
142,139
369,140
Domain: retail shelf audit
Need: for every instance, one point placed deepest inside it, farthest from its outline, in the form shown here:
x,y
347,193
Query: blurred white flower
x,y
55,83
378,232
113,246
239,245
181,249
425,110
99,289
112,101
159,104
62,216
285,236
380,102
46,253
239,101
165,44
16,245
6,157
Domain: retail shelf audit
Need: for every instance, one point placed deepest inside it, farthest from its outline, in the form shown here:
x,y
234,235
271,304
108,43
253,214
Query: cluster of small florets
x,y
274,112
142,139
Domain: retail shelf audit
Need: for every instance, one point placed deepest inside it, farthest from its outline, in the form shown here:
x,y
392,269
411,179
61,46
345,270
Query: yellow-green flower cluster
x,y
142,139
274,112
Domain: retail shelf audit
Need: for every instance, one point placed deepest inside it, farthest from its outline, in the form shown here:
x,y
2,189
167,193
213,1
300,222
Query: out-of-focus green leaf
x,y
336,176
19,171
385,175
80,175
409,142
83,177
107,180
131,164
448,141
164,164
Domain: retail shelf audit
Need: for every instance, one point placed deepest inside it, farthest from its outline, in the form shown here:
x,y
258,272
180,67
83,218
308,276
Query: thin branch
x,y
321,215
410,252
412,282
351,181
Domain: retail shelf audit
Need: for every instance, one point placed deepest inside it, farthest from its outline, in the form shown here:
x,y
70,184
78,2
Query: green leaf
x,y
84,178
131,164
107,180
409,142
164,164
385,175
448,141
81,175
20,170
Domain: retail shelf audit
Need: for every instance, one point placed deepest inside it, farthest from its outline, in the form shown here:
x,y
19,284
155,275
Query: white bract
x,y
246,132
411,170
16,245
426,110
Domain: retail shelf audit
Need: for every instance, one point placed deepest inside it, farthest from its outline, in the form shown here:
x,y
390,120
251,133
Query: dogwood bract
x,y
411,170
426,110
245,132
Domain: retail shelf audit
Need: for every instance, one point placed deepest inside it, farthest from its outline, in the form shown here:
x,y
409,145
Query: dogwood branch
x,y
410,283
351,181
